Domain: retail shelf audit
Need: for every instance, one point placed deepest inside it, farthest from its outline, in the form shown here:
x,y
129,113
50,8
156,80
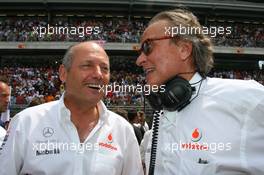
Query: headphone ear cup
x,y
155,100
177,95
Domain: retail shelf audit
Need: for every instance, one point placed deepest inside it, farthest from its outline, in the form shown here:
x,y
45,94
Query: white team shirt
x,y
42,140
220,132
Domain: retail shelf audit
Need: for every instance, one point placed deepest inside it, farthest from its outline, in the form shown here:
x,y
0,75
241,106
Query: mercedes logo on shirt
x,y
48,132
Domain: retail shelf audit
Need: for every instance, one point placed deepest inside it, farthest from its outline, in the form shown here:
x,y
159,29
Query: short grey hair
x,y
67,58
202,51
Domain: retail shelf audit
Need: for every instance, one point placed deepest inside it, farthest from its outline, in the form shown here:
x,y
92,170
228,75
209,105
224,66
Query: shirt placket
x,y
169,147
79,154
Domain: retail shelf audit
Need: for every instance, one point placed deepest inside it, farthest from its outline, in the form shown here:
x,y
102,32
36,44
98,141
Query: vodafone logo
x,y
110,138
108,144
196,135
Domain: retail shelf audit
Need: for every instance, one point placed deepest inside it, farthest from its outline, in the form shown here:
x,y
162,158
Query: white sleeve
x,y
11,159
253,154
144,144
132,161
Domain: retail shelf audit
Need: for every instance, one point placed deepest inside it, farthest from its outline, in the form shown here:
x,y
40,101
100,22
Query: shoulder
x,y
37,114
39,109
219,86
235,91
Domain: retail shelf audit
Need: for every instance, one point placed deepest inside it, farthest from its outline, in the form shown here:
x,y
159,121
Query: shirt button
x,y
165,161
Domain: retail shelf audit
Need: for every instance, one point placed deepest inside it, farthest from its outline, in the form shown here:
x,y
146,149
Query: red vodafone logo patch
x,y
196,135
109,143
110,138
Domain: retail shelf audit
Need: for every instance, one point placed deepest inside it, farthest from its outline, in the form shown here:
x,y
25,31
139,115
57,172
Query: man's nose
x,y
7,99
141,59
98,73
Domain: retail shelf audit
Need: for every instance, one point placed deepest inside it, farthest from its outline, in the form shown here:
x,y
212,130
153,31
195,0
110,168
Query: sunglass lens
x,y
146,48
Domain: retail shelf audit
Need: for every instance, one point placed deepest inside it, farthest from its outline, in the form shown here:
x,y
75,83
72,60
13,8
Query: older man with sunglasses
x,y
207,125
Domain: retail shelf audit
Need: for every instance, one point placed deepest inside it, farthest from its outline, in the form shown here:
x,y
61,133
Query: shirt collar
x,y
195,82
195,78
65,113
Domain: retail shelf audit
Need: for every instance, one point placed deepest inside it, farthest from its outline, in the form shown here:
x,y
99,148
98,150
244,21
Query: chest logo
x,y
109,143
196,135
110,138
48,132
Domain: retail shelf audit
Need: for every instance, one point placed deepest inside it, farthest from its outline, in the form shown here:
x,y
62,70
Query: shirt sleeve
x,y
11,159
132,161
144,144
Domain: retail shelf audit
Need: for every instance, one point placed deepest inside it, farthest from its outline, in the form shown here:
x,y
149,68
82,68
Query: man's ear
x,y
63,73
185,50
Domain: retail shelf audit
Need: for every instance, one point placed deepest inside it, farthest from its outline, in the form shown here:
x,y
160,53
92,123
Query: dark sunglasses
x,y
146,46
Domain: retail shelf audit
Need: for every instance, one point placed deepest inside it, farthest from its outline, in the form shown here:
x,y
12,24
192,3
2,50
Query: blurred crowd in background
x,y
117,30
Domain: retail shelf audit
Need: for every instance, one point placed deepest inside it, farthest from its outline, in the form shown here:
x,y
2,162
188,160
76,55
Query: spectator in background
x,y
4,96
134,120
123,113
49,97
35,101
142,121
4,100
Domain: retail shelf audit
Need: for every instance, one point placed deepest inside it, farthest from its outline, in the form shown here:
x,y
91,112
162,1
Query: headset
x,y
177,95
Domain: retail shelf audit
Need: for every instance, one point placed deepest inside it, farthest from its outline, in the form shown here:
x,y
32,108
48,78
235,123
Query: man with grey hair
x,y
76,134
207,125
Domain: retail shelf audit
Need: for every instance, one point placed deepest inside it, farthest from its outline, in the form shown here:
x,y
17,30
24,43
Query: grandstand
x,y
30,55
